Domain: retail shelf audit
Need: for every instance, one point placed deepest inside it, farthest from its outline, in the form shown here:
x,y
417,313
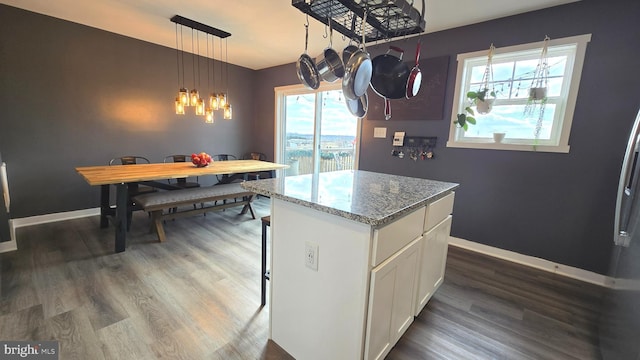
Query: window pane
x,y
525,70
510,119
502,71
554,87
557,65
300,110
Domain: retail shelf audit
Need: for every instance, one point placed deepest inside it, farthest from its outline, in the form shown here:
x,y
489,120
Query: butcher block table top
x,y
115,174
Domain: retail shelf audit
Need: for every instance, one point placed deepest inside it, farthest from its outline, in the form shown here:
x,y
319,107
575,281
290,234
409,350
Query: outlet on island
x,y
311,255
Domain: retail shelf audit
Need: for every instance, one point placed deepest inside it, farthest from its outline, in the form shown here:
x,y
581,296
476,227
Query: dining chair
x,y
134,188
223,157
256,156
181,182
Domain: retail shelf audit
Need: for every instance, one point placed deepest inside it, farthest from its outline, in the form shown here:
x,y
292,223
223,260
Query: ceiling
x,y
264,33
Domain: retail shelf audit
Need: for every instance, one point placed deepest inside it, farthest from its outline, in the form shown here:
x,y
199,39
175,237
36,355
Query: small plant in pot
x,y
482,103
482,99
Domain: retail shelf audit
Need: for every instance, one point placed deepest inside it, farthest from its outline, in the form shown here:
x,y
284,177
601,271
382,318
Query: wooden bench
x,y
156,203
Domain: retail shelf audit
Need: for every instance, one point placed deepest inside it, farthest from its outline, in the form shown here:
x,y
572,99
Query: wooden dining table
x,y
156,175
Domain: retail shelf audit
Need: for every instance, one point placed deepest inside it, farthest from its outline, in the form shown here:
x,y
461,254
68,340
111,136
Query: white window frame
x,y
281,93
564,110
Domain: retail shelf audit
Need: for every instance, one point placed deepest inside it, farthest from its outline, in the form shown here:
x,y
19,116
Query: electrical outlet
x,y
311,255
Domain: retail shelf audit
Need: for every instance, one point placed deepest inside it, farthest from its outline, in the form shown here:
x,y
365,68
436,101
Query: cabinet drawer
x,y
393,237
438,211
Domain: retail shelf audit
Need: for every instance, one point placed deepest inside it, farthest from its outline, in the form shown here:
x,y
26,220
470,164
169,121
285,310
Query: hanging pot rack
x,y
386,19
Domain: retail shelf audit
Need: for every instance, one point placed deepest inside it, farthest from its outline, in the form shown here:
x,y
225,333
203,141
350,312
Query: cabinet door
x,y
391,300
433,260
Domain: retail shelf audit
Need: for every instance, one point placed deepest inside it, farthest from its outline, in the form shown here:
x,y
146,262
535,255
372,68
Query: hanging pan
x,y
415,77
359,106
306,67
358,70
390,74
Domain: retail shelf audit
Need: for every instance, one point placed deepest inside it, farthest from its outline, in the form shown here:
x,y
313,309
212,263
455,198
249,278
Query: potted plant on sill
x,y
482,99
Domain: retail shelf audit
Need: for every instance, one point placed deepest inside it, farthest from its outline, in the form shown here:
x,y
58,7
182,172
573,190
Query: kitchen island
x,y
355,256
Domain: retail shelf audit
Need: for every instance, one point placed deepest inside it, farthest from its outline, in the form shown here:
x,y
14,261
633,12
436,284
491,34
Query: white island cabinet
x,y
355,255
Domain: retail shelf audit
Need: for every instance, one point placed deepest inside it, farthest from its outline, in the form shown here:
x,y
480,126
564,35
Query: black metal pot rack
x,y
386,19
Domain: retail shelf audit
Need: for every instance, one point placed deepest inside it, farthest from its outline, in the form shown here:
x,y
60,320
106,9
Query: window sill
x,y
508,146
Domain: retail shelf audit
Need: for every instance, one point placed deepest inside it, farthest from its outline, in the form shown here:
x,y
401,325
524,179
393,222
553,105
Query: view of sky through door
x,y
323,119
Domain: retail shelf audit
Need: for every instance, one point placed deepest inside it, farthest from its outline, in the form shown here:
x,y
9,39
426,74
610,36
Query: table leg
x,y
104,206
122,197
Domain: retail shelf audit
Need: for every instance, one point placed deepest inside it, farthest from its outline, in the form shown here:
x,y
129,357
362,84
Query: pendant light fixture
x,y
193,95
186,98
208,112
222,97
227,106
182,99
199,102
213,97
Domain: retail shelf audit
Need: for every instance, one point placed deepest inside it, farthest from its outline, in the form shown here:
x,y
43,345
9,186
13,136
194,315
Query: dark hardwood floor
x,y
197,296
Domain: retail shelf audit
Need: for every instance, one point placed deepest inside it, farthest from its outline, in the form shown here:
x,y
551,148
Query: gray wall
x,y
76,96
557,207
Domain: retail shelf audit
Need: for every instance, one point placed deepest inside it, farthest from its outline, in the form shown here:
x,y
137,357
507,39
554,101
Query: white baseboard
x,y
42,219
531,261
47,218
11,245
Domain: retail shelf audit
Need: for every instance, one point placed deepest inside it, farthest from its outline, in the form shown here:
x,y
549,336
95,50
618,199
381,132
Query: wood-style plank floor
x,y
197,296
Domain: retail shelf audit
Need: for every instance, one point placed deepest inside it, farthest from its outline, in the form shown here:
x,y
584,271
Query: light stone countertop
x,y
367,197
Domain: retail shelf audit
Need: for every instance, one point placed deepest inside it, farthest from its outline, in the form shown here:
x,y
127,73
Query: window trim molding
x,y
581,42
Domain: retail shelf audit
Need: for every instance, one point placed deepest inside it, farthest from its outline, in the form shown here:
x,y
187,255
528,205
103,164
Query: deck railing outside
x,y
332,159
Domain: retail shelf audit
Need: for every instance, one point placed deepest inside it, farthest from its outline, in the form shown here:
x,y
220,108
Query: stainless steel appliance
x,y
4,203
620,319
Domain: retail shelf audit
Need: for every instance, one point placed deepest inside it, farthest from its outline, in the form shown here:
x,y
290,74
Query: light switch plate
x,y
398,138
380,132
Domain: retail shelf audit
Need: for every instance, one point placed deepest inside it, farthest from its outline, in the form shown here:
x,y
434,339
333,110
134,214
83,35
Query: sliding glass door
x,y
315,130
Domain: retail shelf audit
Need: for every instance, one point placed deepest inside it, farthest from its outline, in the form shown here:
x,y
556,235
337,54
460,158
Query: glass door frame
x,y
281,92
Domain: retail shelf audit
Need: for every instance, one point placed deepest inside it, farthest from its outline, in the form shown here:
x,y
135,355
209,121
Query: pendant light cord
x,y
226,59
193,57
182,54
208,62
177,56
198,41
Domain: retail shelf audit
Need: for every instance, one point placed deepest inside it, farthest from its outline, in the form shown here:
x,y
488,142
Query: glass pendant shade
x,y
179,107
194,97
183,95
200,107
222,100
213,101
208,116
227,111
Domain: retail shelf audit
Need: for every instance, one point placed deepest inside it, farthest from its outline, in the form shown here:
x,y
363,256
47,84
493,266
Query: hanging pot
x,y
484,107
358,70
415,77
329,63
359,106
306,67
390,74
